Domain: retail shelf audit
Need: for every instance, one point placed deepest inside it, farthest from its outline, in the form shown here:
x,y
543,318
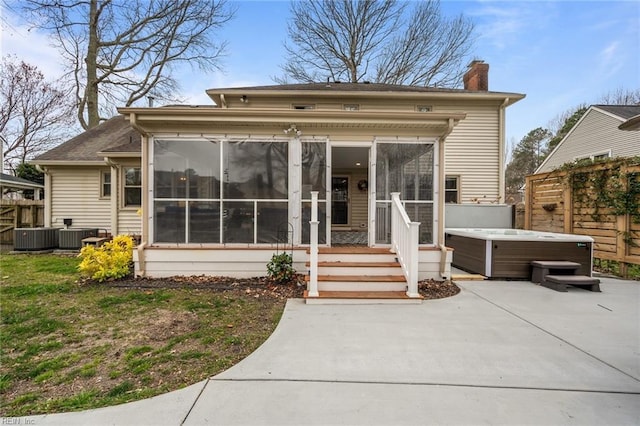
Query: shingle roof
x,y
113,135
623,111
17,182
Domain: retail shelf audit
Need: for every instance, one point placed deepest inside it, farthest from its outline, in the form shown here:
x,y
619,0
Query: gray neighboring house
x,y
94,179
596,135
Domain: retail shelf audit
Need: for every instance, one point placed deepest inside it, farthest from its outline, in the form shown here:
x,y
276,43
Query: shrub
x,y
280,268
112,260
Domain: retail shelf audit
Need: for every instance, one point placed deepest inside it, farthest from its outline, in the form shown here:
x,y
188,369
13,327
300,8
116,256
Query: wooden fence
x,y
19,214
600,200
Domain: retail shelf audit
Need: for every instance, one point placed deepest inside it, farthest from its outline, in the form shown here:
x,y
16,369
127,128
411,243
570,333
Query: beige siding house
x,y
596,135
223,187
86,180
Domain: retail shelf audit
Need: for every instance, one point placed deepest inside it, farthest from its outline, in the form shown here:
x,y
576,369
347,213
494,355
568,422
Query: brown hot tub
x,y
507,253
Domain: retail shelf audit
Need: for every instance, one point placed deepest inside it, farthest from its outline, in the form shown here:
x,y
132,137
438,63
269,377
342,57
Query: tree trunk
x,y
91,96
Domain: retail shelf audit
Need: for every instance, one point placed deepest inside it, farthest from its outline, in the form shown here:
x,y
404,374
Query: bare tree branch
x,y
119,51
35,115
376,40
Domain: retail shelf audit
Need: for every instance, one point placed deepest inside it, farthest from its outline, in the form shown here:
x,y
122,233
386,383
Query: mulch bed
x,y
429,289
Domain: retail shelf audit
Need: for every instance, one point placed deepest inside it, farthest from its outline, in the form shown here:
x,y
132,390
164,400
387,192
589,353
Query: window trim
x,y
457,190
102,195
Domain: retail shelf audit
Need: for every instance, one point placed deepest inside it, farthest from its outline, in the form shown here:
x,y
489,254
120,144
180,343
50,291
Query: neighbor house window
x,y
132,187
105,184
603,155
452,189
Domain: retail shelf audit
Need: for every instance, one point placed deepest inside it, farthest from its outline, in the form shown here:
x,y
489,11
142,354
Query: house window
x,y
105,184
132,187
452,189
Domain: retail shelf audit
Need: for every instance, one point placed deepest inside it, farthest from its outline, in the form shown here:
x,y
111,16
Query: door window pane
x,y
339,200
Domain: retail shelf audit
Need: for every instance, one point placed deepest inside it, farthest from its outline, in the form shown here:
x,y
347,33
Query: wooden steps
x,y
359,275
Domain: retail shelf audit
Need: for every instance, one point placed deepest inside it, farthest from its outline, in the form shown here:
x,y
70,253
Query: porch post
x,y
394,223
313,250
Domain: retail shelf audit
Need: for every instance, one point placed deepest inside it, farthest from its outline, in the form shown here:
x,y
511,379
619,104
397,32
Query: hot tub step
x,y
560,282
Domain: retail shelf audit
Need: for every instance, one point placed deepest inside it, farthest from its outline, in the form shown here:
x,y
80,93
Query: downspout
x,y
441,190
144,161
501,144
115,185
47,194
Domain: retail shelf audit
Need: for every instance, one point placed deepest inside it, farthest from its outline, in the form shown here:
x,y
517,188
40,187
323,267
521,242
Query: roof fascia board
x,y
12,184
67,163
115,154
266,115
514,97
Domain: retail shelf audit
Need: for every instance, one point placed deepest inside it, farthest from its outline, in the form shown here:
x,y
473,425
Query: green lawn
x,y
68,346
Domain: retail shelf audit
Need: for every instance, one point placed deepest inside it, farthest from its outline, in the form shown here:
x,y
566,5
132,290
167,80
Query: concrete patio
x,y
498,353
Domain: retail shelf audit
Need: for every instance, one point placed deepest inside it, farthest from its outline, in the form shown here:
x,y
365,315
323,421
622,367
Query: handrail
x,y
404,242
313,249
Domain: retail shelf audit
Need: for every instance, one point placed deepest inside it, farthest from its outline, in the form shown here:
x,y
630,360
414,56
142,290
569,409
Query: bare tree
x,y
377,40
621,96
35,115
125,50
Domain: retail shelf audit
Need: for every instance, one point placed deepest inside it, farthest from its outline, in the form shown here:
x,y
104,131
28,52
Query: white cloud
x,y
29,45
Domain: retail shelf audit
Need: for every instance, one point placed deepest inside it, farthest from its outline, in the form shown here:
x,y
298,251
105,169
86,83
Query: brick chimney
x,y
477,76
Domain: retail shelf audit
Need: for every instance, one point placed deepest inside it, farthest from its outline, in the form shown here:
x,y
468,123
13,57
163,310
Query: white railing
x,y
404,243
313,249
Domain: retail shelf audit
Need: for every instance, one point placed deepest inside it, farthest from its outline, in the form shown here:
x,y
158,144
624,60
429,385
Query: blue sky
x,y
559,53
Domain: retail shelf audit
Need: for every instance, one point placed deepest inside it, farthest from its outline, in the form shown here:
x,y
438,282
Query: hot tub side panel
x,y
469,254
512,259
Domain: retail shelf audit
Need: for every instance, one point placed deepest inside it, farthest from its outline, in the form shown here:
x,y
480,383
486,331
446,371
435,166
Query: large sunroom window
x,y
220,191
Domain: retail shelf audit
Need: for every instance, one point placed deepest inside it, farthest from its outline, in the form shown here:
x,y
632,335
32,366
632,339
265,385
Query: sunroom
x,y
226,188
